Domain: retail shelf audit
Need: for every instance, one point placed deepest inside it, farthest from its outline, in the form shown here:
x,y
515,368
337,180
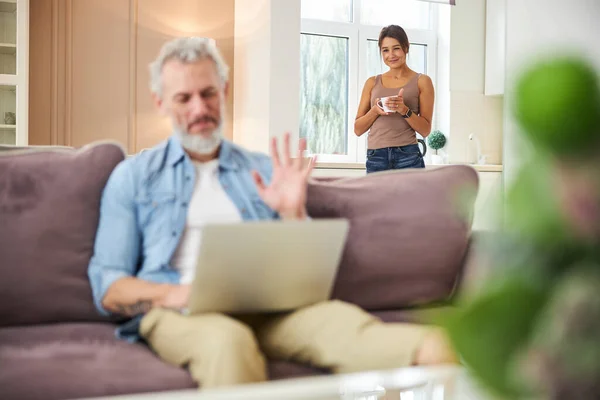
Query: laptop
x,y
266,266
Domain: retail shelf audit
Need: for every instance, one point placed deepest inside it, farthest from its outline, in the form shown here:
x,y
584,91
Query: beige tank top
x,y
393,130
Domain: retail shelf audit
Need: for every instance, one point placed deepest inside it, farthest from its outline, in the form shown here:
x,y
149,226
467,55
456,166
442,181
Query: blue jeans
x,y
394,158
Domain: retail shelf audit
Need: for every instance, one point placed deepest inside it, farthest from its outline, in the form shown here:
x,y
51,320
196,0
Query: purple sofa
x,y
408,241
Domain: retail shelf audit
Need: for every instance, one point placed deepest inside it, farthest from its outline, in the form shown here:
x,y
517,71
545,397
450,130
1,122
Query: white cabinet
x,y
495,47
14,71
489,202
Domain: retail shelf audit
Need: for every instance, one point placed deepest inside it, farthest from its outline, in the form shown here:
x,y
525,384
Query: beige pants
x,y
220,350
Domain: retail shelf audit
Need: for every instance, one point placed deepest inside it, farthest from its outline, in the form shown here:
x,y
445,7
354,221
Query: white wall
x,y
470,110
536,28
267,71
495,47
442,116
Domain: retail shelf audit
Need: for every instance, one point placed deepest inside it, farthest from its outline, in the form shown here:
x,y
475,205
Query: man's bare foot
x,y
436,349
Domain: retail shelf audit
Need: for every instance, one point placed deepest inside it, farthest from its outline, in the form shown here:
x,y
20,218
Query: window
x,y
327,104
339,52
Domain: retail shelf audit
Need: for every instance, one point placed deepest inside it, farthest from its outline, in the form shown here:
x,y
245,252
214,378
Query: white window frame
x,y
358,34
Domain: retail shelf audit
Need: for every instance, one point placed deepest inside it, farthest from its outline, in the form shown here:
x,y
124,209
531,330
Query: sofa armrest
x,y
476,265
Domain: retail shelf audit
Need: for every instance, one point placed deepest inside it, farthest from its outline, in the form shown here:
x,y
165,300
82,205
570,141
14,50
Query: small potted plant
x,y
436,140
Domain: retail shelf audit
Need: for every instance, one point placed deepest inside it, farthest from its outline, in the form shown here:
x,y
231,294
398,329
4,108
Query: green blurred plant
x,y
557,103
533,328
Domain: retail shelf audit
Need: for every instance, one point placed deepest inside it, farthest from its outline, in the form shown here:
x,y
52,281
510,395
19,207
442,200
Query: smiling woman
x,y
394,106
339,46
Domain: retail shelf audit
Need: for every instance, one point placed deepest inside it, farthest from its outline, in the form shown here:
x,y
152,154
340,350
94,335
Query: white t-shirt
x,y
209,204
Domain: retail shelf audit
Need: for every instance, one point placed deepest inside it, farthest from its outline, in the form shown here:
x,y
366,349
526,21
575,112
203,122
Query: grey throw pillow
x,y
49,210
409,233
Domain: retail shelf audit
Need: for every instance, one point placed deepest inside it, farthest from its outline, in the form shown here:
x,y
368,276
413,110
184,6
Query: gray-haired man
x,y
153,209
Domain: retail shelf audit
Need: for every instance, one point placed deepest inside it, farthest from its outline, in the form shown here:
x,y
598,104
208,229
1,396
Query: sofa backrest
x,y
409,233
408,236
49,210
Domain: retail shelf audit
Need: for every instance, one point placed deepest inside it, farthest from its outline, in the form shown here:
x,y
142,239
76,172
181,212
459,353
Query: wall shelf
x,y
14,69
8,6
8,48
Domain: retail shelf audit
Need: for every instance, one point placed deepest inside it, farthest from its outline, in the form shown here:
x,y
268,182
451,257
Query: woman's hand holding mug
x,y
387,104
392,104
379,109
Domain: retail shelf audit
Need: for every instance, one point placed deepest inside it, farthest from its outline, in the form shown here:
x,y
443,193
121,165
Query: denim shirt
x,y
143,214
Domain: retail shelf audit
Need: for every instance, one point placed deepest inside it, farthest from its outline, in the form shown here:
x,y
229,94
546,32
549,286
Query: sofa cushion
x,y
429,315
66,361
49,209
287,370
409,232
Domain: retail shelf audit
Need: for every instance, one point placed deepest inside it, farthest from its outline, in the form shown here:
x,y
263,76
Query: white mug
x,y
381,104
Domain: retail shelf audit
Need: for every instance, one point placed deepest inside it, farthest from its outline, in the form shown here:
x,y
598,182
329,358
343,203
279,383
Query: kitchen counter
x,y
477,167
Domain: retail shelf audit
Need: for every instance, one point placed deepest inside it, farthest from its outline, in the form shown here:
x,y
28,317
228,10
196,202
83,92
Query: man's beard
x,y
196,143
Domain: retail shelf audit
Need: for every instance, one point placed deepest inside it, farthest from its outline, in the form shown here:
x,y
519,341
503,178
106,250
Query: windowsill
x,y
479,168
339,165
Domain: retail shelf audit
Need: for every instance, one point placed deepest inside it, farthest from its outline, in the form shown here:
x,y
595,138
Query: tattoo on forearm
x,y
141,307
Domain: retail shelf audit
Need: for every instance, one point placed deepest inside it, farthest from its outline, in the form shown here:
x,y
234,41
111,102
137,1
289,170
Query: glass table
x,y
419,383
